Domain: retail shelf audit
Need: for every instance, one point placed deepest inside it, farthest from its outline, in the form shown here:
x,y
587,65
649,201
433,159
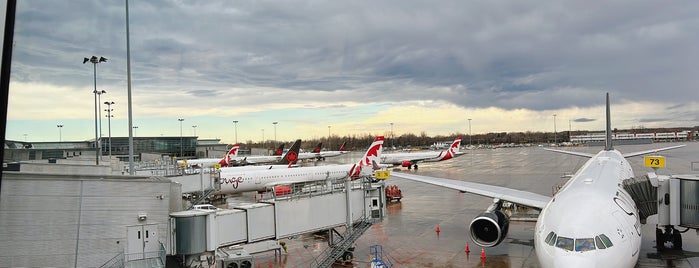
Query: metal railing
x,y
116,262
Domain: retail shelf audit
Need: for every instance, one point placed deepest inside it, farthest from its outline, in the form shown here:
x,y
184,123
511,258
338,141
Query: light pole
x,y
60,134
263,138
181,144
109,124
329,137
554,130
99,108
235,122
469,132
392,136
195,129
134,130
95,60
275,133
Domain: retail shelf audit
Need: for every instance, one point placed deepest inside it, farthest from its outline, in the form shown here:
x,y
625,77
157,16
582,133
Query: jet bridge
x,y
674,198
226,237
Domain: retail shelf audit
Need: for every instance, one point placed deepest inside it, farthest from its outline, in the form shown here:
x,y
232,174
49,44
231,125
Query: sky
x,y
351,67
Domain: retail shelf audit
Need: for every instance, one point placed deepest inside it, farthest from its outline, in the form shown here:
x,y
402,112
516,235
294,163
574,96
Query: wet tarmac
x,y
408,237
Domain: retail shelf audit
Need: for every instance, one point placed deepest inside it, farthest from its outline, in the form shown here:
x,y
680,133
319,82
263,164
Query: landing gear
x,y
415,166
671,239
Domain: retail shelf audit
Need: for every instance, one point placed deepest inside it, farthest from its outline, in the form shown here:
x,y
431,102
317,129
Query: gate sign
x,y
654,161
382,174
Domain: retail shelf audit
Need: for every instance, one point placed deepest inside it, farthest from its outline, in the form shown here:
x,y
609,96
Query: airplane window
x,y
549,237
599,243
564,243
553,239
606,240
584,244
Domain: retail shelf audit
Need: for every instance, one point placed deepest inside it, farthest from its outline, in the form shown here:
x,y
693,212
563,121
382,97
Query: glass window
x,y
584,244
564,243
599,243
553,239
606,240
549,237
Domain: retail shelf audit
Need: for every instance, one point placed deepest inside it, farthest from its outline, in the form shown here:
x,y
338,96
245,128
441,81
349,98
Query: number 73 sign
x,y
654,161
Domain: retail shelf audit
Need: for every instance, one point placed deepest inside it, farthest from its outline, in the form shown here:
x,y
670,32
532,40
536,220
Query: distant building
x,y
656,137
181,147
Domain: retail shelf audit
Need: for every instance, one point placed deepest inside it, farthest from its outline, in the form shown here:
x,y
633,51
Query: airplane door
x,y
141,239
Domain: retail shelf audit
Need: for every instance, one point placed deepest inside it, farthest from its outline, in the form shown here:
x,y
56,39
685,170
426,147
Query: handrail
x,y
116,261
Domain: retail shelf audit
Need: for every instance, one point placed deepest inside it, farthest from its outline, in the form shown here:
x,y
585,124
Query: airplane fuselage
x,y
246,180
592,221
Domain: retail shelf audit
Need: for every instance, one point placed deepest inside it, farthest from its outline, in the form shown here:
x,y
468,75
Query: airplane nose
x,y
572,261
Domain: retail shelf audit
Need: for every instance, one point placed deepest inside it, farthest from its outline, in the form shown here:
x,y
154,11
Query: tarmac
x,y
408,232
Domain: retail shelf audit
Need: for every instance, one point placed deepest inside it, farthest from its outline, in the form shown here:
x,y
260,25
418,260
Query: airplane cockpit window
x,y
599,243
584,244
564,243
550,238
605,240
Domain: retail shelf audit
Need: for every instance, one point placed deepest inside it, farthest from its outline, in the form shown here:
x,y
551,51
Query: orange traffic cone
x,y
467,249
482,254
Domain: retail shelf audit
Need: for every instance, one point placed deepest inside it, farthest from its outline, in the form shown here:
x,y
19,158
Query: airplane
x,y
312,154
238,181
318,154
410,160
210,162
342,150
591,222
293,153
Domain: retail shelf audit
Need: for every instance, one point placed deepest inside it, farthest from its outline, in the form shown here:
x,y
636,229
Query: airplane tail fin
x,y
279,150
292,155
608,137
372,155
230,156
456,145
318,147
342,147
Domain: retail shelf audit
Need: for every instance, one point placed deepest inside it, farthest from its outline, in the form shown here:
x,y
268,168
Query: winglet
x,y
608,139
292,155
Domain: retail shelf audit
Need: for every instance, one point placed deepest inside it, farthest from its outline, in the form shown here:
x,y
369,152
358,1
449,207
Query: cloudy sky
x,y
356,66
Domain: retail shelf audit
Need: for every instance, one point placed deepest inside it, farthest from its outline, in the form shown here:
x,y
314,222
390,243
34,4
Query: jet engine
x,y
406,163
489,228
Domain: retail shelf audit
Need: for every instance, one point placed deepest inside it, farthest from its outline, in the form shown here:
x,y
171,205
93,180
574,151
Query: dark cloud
x,y
534,55
583,120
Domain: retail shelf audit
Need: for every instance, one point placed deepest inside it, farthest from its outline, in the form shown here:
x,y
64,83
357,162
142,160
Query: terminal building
x,y
118,147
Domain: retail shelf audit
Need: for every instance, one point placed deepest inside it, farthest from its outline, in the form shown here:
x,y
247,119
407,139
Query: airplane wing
x,y
571,152
652,151
508,194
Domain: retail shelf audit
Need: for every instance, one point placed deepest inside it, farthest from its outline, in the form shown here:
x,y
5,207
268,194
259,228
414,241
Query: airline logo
x,y
372,154
449,154
292,156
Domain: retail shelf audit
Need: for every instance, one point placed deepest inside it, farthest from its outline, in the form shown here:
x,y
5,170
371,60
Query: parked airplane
x,y
319,154
238,181
591,222
210,162
312,154
279,150
410,160
292,154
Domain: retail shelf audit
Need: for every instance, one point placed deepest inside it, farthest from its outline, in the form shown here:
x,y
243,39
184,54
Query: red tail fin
x,y
372,155
318,147
230,156
279,150
342,147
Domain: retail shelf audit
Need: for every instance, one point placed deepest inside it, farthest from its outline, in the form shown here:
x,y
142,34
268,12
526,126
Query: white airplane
x,y
410,160
238,181
591,222
290,157
319,154
210,162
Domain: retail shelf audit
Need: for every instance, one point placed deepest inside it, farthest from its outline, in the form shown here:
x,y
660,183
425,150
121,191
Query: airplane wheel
x,y
415,166
659,239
